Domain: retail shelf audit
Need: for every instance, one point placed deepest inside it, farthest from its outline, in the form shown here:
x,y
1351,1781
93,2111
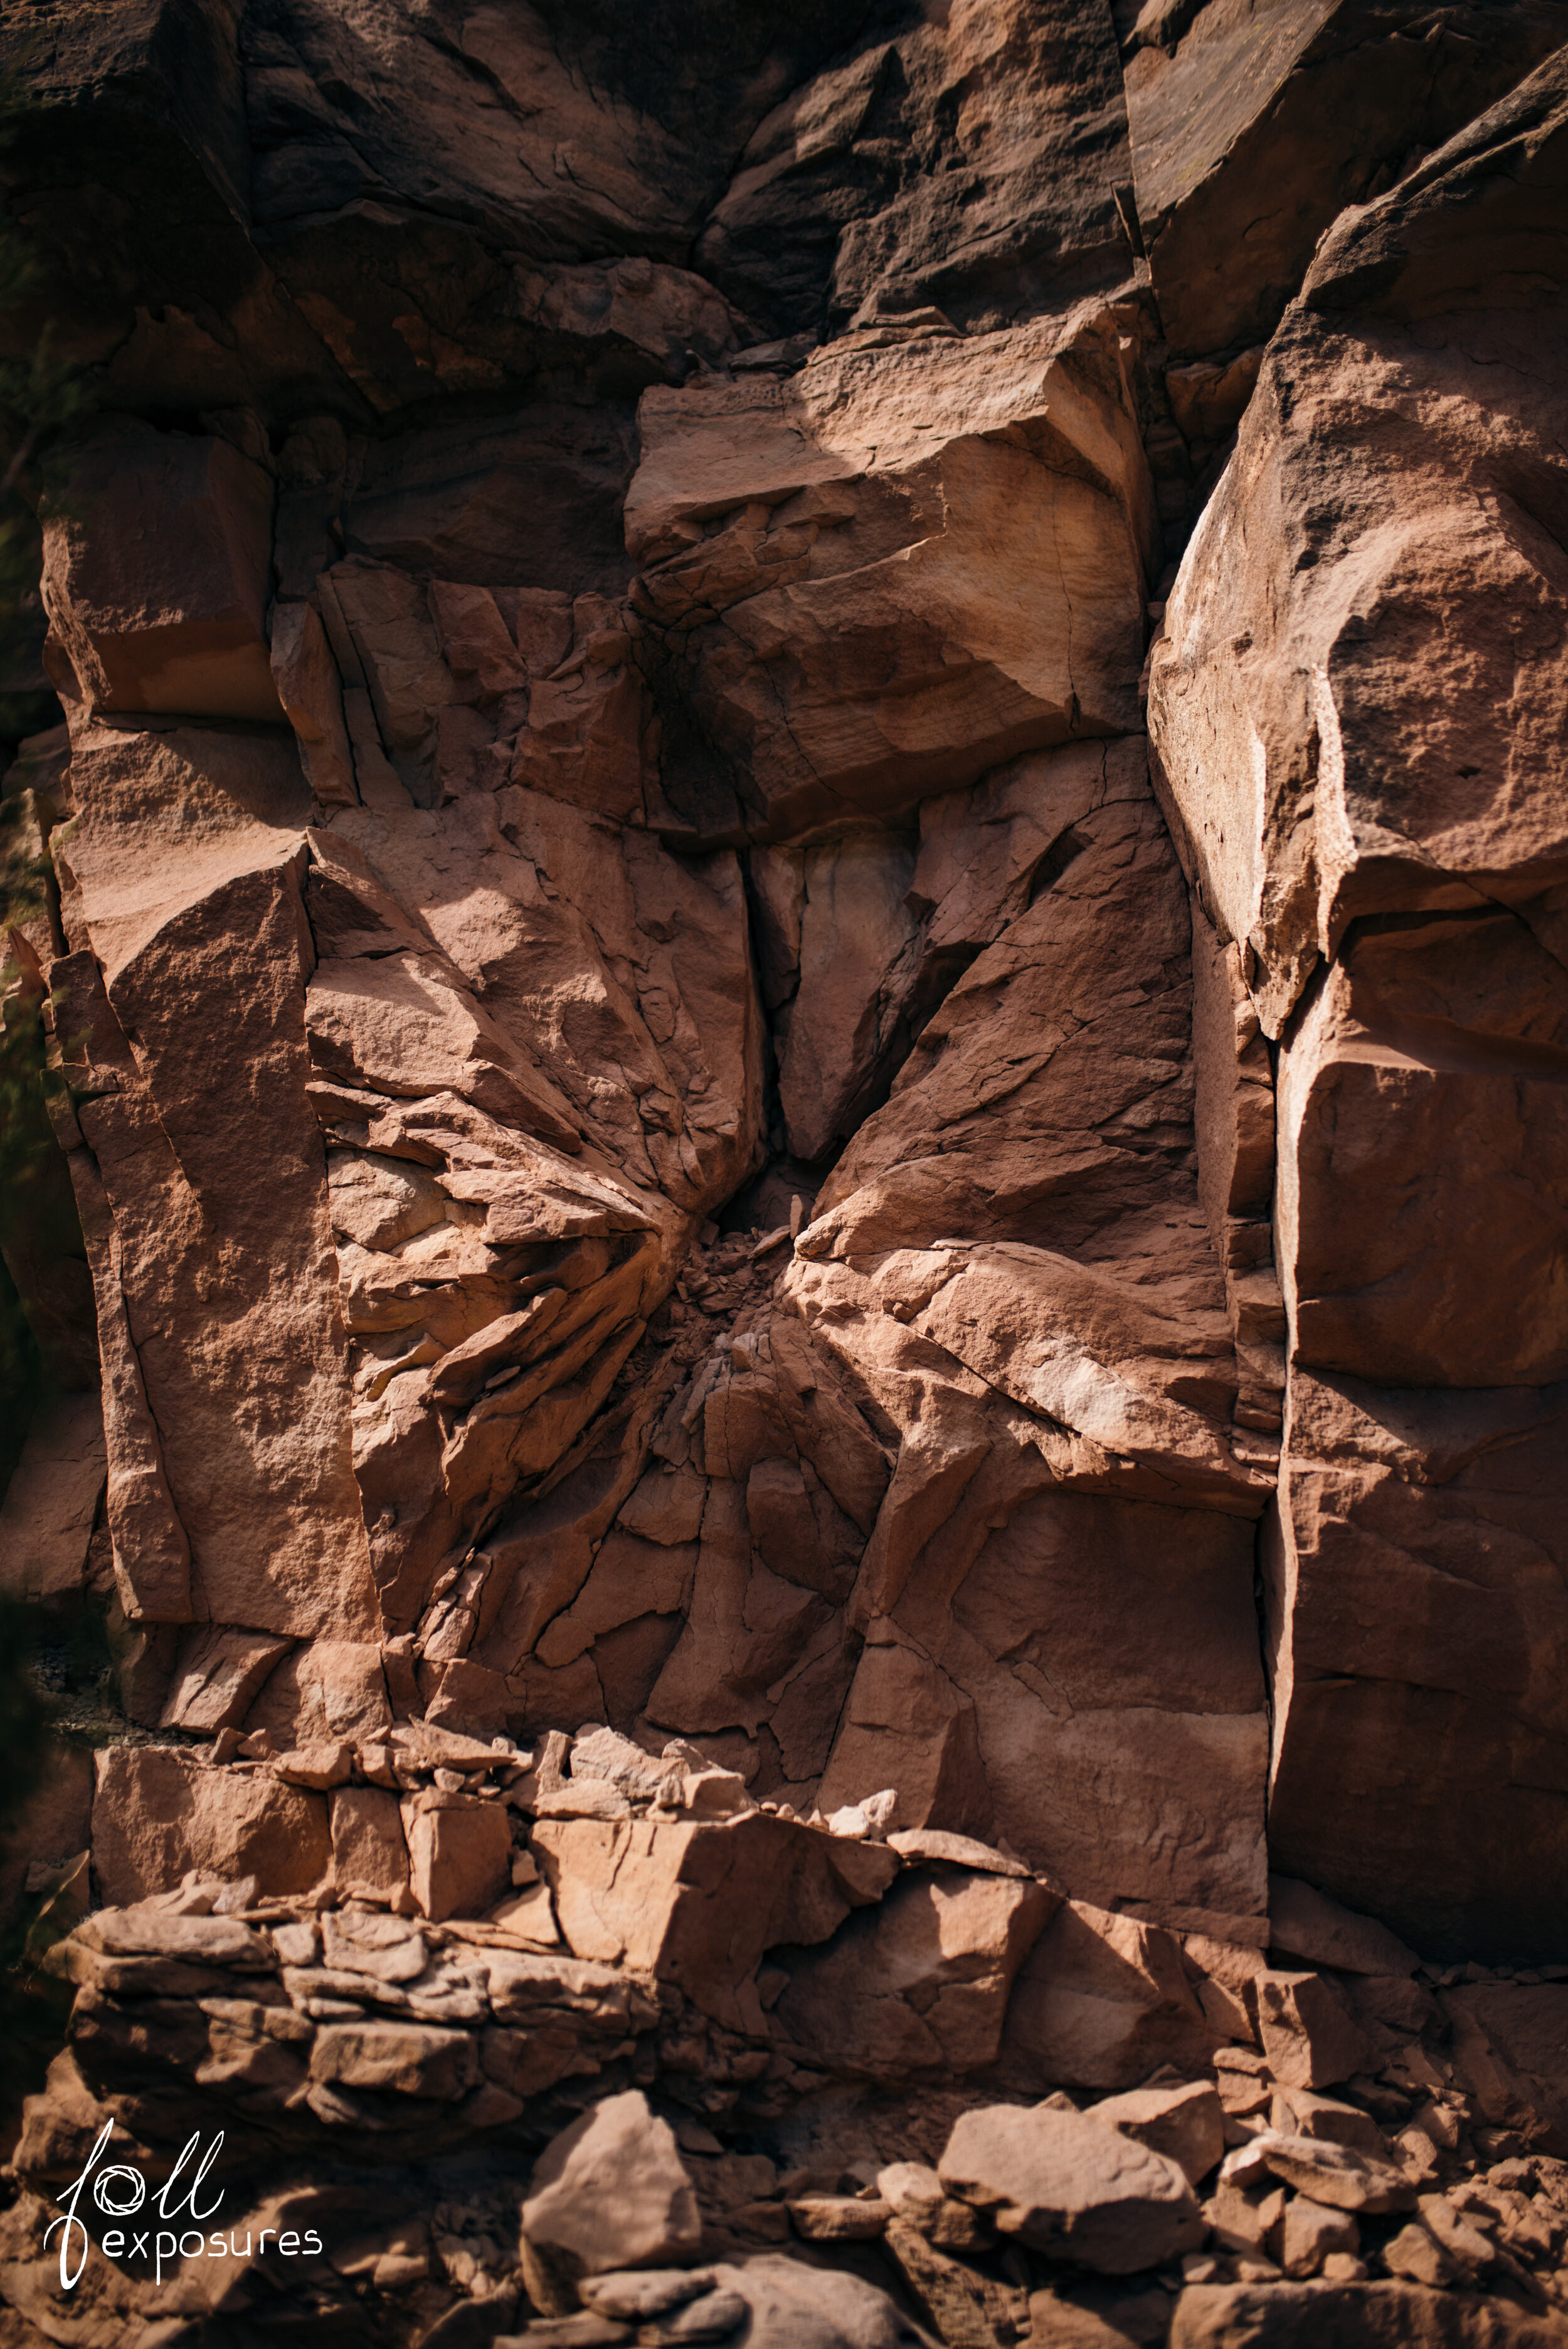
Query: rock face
x,y
1387,856
799,927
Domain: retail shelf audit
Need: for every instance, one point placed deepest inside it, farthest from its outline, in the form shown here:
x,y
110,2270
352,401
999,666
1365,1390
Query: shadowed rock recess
x,y
803,1299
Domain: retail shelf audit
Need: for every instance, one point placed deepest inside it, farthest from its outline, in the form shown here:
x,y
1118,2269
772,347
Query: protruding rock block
x,y
459,1853
1250,133
157,574
813,562
920,1982
158,1811
1101,2002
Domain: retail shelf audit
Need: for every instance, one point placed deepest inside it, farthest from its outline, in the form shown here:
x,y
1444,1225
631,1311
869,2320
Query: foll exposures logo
x,y
119,2192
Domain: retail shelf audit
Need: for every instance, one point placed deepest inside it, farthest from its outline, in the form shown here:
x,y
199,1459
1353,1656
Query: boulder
x,y
1312,2233
1101,2002
1395,2315
1186,2123
216,1678
407,2059
610,2192
1509,2042
961,2302
183,879
919,1983
1070,2188
1337,2175
698,1903
794,2306
778,507
1310,2036
369,1854
1249,138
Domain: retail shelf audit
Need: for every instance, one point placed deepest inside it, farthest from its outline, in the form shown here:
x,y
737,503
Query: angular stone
x,y
316,1766
407,2059
935,1845
1309,2035
963,2305
158,1812
610,2192
1312,2233
794,2306
1507,2040
369,1856
919,1983
838,2218
1307,1925
1101,2002
218,1677
1408,1569
698,1904
459,1854
822,672
183,878
1337,2176
1298,2113
1395,2315
1066,2186
160,602
308,687
1348,651
1186,2124
1248,138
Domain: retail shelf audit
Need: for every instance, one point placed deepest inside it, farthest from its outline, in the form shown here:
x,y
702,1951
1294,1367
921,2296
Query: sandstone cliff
x,y
804,956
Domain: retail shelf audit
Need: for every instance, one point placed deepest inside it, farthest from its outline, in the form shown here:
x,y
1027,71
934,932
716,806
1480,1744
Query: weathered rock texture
x,y
804,951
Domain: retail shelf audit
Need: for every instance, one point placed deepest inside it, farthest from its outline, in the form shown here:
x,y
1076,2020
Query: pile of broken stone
x,y
732,2074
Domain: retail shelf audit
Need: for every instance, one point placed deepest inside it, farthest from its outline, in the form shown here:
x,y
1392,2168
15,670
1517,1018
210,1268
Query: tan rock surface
x,y
1069,2188
610,2192
808,553
158,1812
919,1983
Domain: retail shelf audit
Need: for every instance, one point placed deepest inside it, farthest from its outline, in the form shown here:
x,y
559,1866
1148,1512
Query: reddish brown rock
x,y
1071,2190
920,1983
184,879
699,1904
1309,2035
610,2192
1100,2003
459,1854
1249,135
1508,2047
1184,2124
51,1503
156,575
158,1813
1407,1612
783,506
